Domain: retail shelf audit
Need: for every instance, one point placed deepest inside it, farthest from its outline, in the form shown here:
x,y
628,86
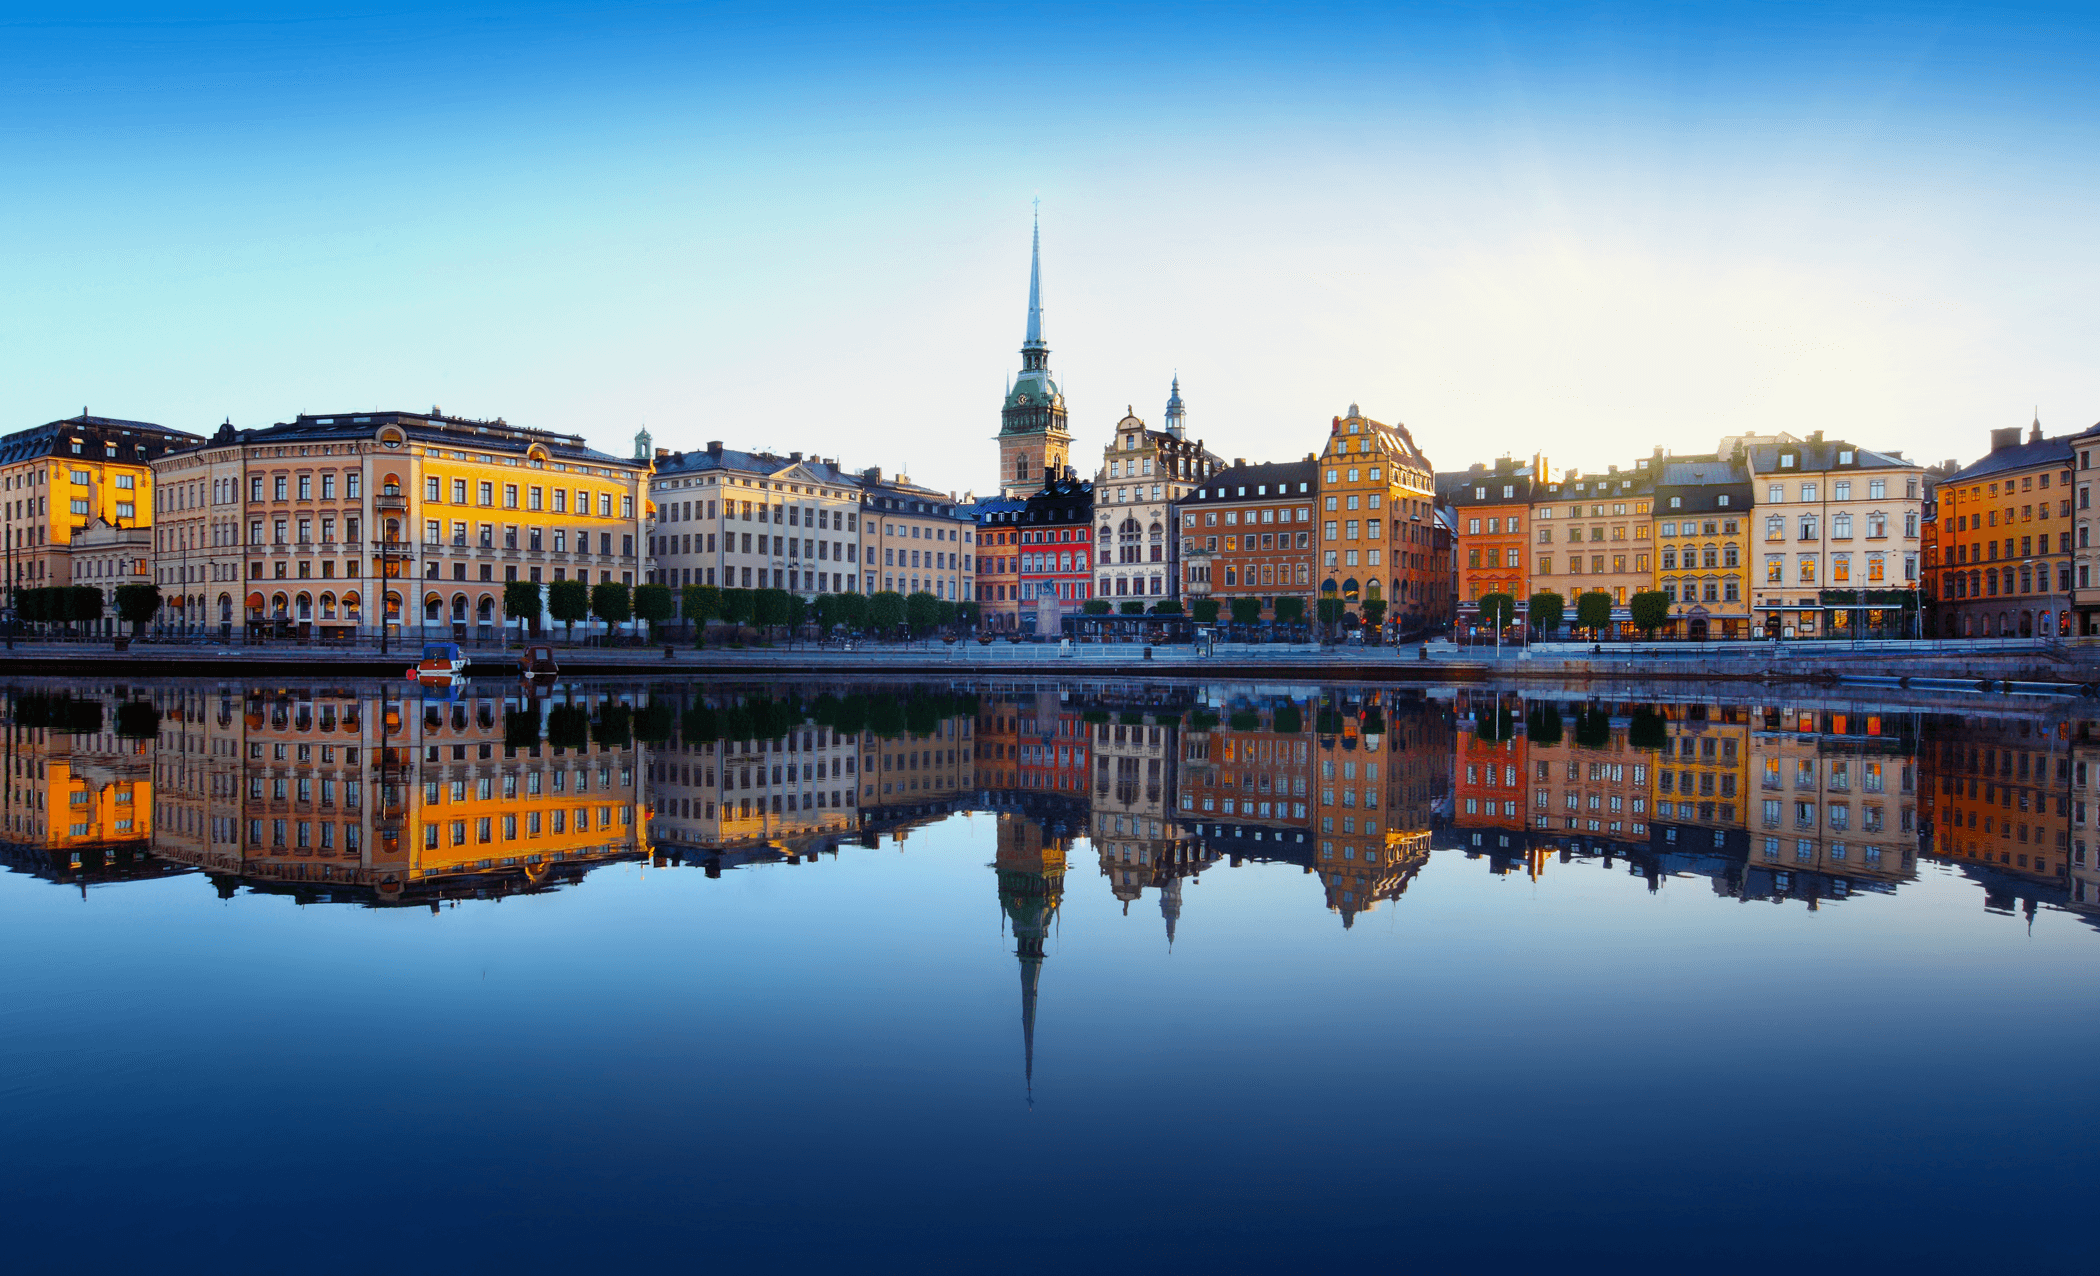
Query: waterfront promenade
x,y
2027,661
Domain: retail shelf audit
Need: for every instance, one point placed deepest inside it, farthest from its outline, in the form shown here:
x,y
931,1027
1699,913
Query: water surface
x,y
1009,983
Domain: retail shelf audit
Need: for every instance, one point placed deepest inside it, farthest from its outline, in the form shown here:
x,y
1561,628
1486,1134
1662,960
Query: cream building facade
x,y
754,520
1143,474
1837,537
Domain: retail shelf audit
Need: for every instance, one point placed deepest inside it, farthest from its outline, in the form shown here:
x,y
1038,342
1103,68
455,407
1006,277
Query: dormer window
x,y
1786,460
1353,426
1722,499
1479,493
1844,458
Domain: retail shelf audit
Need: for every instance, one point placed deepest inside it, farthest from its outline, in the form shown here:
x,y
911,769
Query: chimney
x,y
1311,458
1816,437
1611,469
1239,462
714,447
872,474
662,452
2005,438
795,456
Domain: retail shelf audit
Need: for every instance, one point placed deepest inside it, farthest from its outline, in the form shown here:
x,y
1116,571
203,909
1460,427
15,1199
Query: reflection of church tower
x,y
1034,441
1170,905
1031,884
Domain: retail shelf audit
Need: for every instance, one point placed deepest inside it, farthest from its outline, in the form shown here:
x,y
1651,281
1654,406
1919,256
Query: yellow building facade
x,y
60,478
317,527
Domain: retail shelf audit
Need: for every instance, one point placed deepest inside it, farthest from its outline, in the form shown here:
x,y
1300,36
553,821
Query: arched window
x,y
433,609
278,603
459,608
305,605
485,610
350,607
328,606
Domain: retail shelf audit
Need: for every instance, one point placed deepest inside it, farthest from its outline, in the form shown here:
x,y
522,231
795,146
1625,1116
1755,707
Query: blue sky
x,y
1582,229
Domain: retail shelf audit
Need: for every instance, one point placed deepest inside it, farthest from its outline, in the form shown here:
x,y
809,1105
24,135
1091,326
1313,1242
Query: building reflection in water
x,y
390,795
349,793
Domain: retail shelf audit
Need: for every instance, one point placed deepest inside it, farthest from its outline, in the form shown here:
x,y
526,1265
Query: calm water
x,y
1237,977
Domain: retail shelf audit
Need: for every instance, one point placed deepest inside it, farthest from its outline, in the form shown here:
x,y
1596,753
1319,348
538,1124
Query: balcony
x,y
390,501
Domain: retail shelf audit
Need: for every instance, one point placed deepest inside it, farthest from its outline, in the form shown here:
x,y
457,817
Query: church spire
x,y
1035,286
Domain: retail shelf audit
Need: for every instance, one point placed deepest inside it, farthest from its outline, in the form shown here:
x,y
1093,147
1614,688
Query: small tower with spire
x,y
1177,415
642,444
1034,439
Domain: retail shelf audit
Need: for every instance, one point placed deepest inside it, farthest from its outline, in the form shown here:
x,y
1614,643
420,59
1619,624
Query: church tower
x,y
1034,441
1177,414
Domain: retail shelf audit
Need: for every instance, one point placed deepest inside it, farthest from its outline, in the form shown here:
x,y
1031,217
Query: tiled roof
x,y
1274,476
2051,452
49,439
1817,457
497,436
1701,471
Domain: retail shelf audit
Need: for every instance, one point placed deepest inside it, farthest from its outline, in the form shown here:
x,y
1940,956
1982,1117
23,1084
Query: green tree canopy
x,y
1166,607
1246,611
853,610
700,604
824,610
1651,610
1496,609
1290,610
1331,610
969,613
1131,608
734,607
1100,607
886,612
1547,608
137,604
521,602
922,611
769,608
1205,610
613,603
653,603
568,601
1593,611
1374,611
